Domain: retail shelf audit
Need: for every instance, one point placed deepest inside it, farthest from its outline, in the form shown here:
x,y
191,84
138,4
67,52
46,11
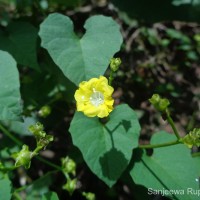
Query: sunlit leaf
x,y
107,148
169,168
85,58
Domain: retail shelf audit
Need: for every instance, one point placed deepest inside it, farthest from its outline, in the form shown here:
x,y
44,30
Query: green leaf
x,y
50,196
10,106
20,40
40,186
21,128
5,187
107,148
81,59
169,168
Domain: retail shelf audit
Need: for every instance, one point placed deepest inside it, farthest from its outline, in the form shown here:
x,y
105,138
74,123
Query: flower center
x,y
96,98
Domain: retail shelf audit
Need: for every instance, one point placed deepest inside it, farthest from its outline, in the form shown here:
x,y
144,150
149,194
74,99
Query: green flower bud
x,y
155,99
31,128
89,195
187,140
161,104
70,186
68,165
115,63
39,126
44,111
192,139
36,128
23,158
41,134
37,131
44,141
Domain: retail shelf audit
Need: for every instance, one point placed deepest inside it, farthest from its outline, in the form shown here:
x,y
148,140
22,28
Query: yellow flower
x,y
94,97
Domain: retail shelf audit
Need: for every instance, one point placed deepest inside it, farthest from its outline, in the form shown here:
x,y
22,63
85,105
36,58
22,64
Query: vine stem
x,y
151,146
171,122
18,142
49,163
110,80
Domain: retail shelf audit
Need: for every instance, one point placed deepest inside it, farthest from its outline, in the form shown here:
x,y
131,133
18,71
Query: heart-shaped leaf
x,y
10,98
81,59
170,171
107,148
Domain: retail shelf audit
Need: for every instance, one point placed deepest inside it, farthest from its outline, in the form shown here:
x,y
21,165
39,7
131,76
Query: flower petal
x,y
89,89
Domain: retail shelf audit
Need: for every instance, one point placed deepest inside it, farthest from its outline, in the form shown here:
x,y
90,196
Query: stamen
x,y
96,98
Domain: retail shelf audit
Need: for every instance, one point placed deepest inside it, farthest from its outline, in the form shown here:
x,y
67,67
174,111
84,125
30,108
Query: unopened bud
x,y
44,141
44,111
36,128
163,104
155,99
68,165
159,103
89,195
192,139
23,158
115,63
70,186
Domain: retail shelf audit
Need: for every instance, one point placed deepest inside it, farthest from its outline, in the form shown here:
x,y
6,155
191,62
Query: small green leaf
x,y
5,187
85,58
10,106
50,196
21,128
20,40
169,168
40,186
107,148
